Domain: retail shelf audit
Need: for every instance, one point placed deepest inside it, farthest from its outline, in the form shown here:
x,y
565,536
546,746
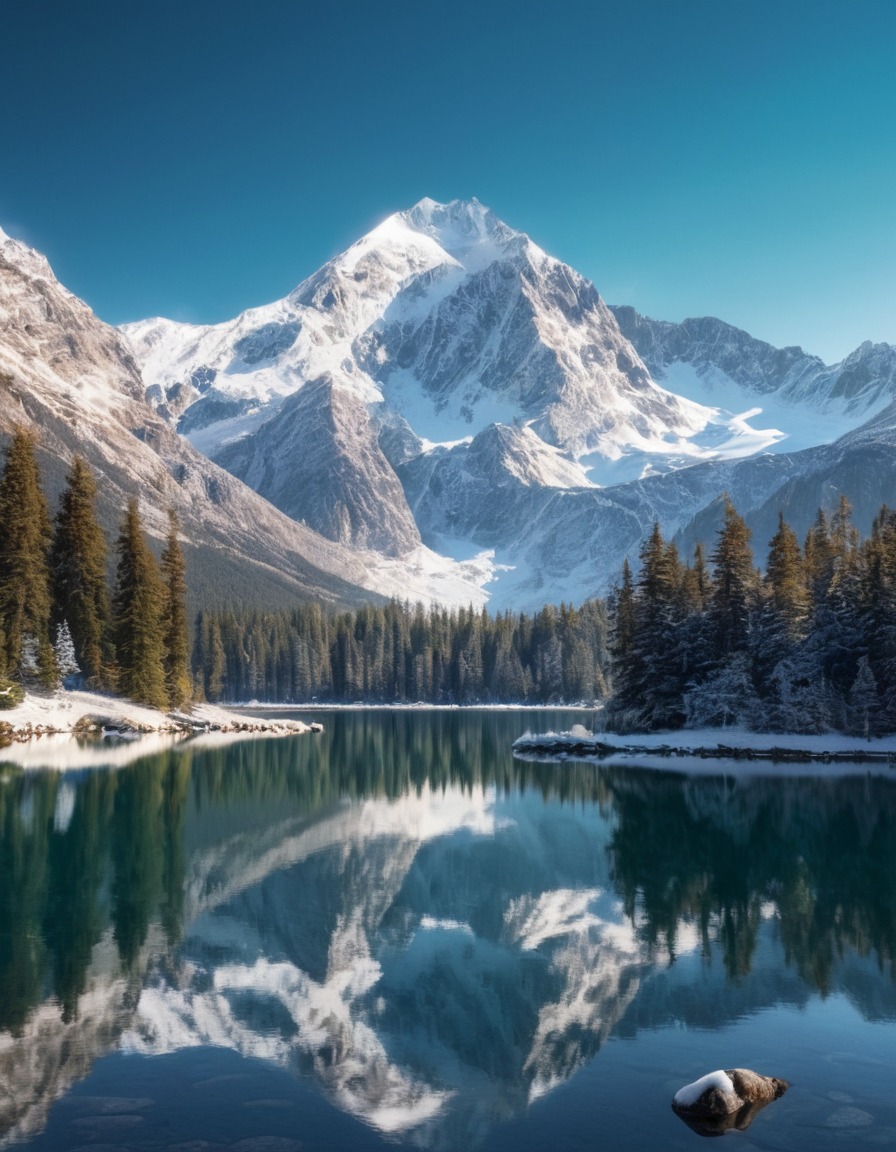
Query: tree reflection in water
x,y
543,903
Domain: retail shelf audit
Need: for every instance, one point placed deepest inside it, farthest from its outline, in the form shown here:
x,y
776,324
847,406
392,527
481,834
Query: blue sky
x,y
691,157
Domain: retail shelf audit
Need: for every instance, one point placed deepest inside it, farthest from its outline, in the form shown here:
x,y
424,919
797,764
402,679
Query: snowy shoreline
x,y
418,706
106,721
717,750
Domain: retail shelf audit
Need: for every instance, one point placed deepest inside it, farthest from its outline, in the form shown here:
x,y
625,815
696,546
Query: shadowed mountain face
x,y
337,477
437,935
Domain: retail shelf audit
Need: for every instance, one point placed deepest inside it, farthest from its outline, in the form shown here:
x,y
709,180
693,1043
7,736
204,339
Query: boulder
x,y
726,1099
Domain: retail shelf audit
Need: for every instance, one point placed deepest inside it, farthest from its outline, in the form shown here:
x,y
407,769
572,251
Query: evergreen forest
x,y
398,653
59,621
808,646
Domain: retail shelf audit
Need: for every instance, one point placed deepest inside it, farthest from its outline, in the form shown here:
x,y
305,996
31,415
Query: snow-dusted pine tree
x,y
66,661
863,704
726,697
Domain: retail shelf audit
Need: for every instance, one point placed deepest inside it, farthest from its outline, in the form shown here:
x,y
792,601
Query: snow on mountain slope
x,y
710,362
553,544
448,317
459,336
74,381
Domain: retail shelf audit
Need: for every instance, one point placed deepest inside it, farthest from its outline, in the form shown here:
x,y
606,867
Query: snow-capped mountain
x,y
446,319
74,381
459,411
442,314
446,379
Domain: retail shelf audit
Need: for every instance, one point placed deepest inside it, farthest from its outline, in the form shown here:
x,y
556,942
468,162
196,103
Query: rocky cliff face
x,y
320,462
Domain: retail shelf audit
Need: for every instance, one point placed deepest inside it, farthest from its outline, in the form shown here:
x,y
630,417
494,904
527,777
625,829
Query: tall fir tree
x,y
652,674
622,637
137,616
25,533
784,614
735,584
78,567
174,619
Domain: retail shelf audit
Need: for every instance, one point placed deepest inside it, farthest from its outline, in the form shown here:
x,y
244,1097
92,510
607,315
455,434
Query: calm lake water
x,y
393,933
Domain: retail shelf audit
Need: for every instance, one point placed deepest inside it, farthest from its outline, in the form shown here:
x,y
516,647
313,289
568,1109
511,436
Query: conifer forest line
x,y
808,644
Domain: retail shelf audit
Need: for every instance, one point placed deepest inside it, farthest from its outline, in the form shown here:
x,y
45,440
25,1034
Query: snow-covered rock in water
x,y
714,1085
725,1099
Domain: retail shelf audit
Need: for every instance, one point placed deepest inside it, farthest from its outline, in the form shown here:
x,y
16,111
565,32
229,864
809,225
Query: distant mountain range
x,y
445,411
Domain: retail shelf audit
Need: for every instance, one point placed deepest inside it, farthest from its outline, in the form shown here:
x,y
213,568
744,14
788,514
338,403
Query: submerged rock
x,y
728,1099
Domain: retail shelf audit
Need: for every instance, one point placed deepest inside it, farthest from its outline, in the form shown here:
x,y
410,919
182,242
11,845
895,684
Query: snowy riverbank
x,y
52,719
710,751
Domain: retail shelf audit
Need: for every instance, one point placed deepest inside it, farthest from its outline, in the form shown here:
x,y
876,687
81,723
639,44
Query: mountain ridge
x,y
444,411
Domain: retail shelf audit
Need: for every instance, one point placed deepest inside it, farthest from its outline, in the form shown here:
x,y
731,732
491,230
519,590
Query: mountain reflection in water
x,y
434,932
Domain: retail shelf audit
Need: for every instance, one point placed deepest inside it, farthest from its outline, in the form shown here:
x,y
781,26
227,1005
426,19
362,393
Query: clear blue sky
x,y
692,157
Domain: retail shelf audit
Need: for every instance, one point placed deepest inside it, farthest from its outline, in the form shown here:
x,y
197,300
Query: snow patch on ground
x,y
705,739
426,576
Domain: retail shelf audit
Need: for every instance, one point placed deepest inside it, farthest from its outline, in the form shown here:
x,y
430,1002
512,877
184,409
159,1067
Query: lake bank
x,y
701,750
92,715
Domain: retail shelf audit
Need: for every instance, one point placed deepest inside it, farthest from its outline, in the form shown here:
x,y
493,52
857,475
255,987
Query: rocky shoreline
x,y
90,716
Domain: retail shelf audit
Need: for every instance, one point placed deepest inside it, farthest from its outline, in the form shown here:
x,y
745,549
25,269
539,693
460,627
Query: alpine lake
x,y
395,933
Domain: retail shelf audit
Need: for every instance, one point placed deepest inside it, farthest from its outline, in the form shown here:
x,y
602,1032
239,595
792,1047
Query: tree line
x,y
808,646
402,653
59,620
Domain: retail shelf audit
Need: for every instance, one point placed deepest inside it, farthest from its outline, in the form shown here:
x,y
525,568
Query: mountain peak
x,y
24,257
458,225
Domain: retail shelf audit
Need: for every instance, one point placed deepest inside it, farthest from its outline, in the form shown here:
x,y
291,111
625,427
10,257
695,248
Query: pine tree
x,y
784,615
734,584
650,673
819,558
864,703
24,574
174,619
78,568
137,616
64,651
217,663
879,608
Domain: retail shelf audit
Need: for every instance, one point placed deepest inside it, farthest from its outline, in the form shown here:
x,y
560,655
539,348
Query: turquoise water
x,y
394,933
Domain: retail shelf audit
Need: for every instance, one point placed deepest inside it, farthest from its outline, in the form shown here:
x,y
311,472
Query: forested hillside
x,y
806,647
